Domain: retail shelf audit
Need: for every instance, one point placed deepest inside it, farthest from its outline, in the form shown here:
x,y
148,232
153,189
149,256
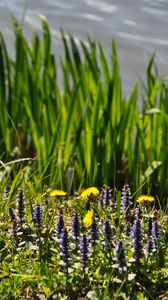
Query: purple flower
x,y
60,223
15,225
65,248
150,244
20,198
149,232
108,233
106,196
94,233
156,232
12,214
76,226
76,229
38,219
121,257
137,241
126,201
6,192
84,251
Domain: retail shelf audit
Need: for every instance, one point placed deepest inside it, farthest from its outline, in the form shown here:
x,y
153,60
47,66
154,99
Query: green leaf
x,y
131,276
46,290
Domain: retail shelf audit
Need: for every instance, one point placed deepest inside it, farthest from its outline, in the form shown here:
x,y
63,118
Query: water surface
x,y
139,28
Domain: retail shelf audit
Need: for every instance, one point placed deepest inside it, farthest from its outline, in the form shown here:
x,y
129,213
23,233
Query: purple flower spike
x,y
21,206
156,232
94,233
149,232
37,215
137,241
12,214
150,245
65,248
6,192
76,229
84,251
15,225
121,257
76,226
126,200
107,196
108,233
60,223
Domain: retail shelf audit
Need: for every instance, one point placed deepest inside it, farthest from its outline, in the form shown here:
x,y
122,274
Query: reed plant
x,y
83,130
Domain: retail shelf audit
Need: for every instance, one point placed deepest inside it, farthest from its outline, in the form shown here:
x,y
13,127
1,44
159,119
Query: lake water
x,y
138,26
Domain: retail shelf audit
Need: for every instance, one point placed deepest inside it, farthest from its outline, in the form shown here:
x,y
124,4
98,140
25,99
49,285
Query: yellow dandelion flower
x,y
145,198
57,193
88,219
88,192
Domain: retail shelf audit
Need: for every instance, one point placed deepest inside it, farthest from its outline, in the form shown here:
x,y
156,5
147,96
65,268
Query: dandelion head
x,y
145,198
57,193
89,218
92,191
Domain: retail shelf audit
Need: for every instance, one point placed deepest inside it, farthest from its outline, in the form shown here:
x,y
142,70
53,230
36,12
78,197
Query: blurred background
x,y
139,28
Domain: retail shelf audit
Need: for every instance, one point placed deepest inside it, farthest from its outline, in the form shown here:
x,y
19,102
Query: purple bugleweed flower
x,y
6,192
108,233
94,233
121,257
20,198
150,245
12,214
156,232
65,248
150,240
38,218
126,200
84,251
149,231
15,224
76,228
137,241
106,196
60,223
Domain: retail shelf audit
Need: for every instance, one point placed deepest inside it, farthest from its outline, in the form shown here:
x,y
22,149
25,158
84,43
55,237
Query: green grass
x,y
84,131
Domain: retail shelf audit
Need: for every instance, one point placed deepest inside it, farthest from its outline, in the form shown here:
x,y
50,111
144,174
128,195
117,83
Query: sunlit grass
x,y
84,132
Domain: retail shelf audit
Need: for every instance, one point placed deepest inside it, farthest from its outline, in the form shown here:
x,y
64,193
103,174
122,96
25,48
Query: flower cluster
x,y
78,240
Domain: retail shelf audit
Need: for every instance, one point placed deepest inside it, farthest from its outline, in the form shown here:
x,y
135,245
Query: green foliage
x,y
83,131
